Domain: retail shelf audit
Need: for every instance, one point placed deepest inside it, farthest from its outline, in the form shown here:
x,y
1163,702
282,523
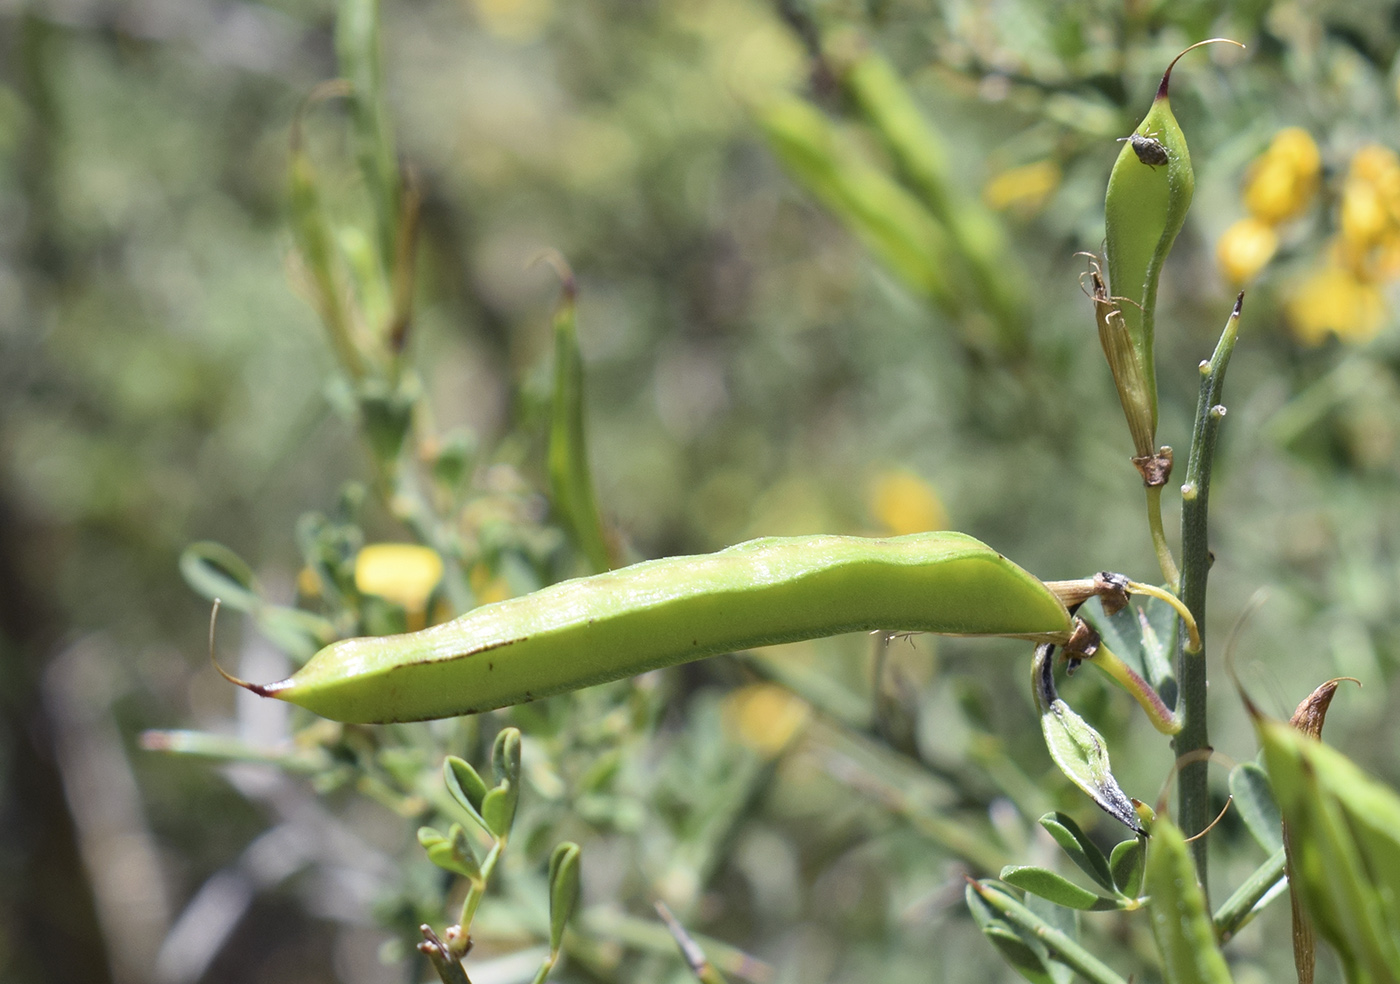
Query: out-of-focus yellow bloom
x,y
515,20
1023,188
489,587
1245,248
308,583
765,716
1334,300
1364,215
404,573
902,502
1282,182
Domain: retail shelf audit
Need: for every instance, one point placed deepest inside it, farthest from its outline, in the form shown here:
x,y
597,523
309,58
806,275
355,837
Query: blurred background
x,y
789,324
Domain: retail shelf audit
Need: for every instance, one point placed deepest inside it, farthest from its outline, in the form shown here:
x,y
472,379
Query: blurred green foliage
x,y
752,369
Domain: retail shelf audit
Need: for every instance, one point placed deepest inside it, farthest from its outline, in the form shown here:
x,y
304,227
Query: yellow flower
x,y
489,587
404,573
1283,180
1334,300
902,502
1023,188
308,583
1245,248
1365,218
765,716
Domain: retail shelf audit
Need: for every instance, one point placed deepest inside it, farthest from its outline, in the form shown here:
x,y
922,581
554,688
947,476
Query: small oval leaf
x,y
1053,887
1081,850
498,809
465,786
1254,798
1126,864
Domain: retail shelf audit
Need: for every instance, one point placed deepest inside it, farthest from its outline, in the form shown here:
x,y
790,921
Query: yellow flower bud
x,y
1245,248
404,573
1334,300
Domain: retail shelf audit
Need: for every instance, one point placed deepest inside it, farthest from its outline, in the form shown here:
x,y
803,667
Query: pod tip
x,y
1167,75
261,689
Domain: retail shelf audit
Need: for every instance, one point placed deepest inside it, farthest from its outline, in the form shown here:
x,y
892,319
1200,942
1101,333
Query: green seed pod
x,y
1149,193
664,612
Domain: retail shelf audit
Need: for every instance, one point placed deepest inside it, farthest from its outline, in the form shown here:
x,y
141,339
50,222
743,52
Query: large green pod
x,y
663,612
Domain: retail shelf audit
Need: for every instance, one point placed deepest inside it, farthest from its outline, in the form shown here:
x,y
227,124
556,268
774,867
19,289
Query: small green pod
x,y
1149,194
663,612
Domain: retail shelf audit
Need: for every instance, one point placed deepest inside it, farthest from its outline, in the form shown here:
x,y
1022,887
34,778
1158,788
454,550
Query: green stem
x,y
1239,908
1194,810
1170,575
1066,950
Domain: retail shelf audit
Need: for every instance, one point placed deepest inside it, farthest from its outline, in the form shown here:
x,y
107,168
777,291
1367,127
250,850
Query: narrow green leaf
x,y
1249,785
1067,950
1126,864
570,478
357,47
1344,846
1064,920
1081,850
975,232
1055,888
1076,747
1019,948
891,222
216,572
563,890
1180,923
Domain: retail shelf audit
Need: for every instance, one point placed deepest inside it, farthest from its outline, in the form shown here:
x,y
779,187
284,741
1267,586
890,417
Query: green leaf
x,y
1254,798
1126,864
563,890
466,787
570,478
1062,919
1003,910
1055,888
1344,848
216,572
1141,635
890,221
1077,748
498,809
1026,955
1081,850
1180,924
452,852
505,757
